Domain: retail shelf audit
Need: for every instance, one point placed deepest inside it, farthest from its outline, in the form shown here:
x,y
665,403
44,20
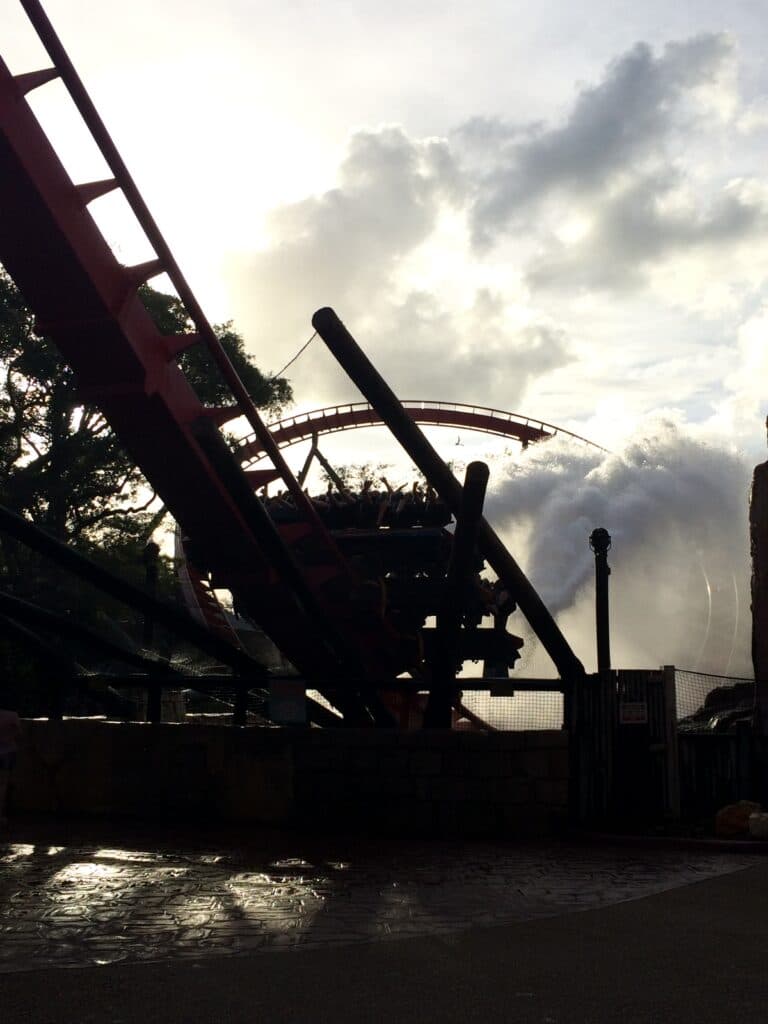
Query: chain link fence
x,y
523,711
705,704
712,703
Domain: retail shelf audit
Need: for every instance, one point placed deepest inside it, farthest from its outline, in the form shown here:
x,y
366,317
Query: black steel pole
x,y
598,782
453,605
375,389
600,542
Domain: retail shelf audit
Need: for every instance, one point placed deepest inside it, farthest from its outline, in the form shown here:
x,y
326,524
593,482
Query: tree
x,y
271,394
60,463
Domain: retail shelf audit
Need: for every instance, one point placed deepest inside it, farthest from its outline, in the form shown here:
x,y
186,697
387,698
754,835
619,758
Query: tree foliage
x,y
60,463
270,394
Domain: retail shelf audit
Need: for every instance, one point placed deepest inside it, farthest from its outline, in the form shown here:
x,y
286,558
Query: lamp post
x,y
600,542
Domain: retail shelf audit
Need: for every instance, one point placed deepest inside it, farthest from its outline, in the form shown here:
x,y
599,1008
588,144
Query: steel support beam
x,y
460,571
362,372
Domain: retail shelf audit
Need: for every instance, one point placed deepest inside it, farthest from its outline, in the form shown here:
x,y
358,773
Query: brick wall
x,y
413,783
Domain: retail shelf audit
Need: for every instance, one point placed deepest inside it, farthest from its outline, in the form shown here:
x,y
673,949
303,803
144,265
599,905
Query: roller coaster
x,y
346,607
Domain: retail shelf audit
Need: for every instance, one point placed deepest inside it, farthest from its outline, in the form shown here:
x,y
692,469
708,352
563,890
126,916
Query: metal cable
x,y
291,361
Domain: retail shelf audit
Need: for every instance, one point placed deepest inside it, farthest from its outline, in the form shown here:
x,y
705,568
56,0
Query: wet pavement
x,y
101,900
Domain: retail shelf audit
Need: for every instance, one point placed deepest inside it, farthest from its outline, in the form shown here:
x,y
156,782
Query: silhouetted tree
x,y
60,463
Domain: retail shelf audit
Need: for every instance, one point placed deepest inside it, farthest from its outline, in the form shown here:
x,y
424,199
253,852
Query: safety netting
x,y
712,703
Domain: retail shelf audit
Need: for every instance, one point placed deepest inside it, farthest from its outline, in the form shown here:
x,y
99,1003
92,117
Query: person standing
x,y
10,734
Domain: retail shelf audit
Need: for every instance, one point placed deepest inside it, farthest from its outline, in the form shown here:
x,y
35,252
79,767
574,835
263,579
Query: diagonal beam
x,y
385,402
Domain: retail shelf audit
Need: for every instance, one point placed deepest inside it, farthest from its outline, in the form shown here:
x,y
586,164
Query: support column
x,y
453,605
381,397
600,542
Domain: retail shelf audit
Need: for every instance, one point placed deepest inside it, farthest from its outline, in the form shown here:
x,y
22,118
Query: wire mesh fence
x,y
204,699
706,703
523,711
480,709
712,703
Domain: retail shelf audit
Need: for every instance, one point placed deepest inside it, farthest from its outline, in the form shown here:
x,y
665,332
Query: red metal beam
x,y
88,303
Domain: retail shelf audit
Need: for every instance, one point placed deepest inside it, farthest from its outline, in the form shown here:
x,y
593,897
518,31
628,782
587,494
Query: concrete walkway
x,y
656,946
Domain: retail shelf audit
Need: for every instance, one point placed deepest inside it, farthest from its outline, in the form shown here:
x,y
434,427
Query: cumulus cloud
x,y
649,221
622,123
634,194
348,247
676,509
627,184
341,247
474,355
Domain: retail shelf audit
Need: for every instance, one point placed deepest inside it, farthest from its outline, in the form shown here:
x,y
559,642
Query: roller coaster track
x,y
352,416
332,623
336,418
296,584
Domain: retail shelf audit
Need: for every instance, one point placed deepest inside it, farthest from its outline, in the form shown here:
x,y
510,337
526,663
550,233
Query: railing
x,y
354,415
509,705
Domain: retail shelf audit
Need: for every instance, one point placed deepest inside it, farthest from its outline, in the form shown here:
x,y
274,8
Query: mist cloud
x,y
677,512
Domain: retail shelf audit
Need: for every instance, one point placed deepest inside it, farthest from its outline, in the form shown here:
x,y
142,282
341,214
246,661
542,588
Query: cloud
x,y
484,267
632,185
676,509
649,221
426,350
355,248
340,248
619,125
743,402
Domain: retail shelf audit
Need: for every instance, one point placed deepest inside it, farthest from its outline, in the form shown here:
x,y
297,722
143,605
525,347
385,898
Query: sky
x,y
558,209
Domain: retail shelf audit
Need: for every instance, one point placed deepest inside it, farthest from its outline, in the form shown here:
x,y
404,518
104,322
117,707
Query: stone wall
x,y
404,783
434,782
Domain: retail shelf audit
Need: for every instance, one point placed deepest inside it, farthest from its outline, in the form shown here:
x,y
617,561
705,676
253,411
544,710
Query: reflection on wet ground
x,y
84,903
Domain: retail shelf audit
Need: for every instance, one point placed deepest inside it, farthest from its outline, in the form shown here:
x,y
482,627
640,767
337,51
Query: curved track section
x,y
337,418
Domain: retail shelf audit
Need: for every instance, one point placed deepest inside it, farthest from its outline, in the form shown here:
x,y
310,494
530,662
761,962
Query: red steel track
x,y
336,418
297,585
292,579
